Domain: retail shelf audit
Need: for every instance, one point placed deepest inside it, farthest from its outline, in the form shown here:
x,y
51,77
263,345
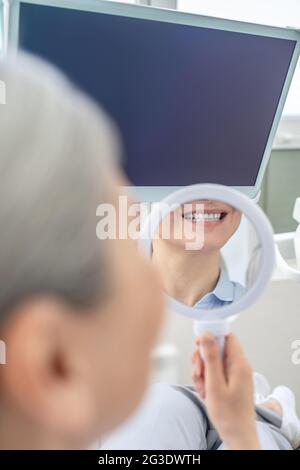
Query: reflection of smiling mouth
x,y
207,216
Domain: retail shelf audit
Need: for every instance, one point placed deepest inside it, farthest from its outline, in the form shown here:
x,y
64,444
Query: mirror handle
x,y
219,329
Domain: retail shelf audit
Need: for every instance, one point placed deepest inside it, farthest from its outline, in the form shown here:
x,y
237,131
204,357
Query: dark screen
x,y
193,104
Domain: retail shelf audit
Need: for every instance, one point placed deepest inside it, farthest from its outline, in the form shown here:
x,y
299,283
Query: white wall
x,y
267,331
275,12
271,12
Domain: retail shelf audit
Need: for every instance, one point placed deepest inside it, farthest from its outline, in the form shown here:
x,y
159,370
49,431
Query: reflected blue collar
x,y
224,290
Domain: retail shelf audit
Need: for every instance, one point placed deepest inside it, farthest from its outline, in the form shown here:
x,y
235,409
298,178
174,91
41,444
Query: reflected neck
x,y
187,275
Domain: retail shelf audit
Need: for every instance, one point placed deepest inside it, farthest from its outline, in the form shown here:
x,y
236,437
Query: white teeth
x,y
203,217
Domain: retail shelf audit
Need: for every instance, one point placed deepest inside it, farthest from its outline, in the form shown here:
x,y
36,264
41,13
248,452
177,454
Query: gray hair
x,y
56,151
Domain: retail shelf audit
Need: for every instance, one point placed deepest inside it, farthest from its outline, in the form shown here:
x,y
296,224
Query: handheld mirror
x,y
214,250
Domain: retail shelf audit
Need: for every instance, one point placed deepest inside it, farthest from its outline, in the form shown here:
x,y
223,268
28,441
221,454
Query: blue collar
x,y
224,289
224,292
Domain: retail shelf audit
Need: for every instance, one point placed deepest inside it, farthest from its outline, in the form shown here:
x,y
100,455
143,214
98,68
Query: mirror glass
x,y
208,254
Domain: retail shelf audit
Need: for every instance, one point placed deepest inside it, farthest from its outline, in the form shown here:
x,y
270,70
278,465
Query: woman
x,y
68,304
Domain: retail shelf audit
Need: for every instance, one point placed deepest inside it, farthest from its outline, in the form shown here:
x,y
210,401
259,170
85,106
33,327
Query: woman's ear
x,y
44,377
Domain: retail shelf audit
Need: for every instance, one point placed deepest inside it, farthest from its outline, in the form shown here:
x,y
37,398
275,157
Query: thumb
x,y
214,371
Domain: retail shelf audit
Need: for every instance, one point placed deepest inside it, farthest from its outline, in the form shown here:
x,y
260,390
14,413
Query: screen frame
x,y
150,193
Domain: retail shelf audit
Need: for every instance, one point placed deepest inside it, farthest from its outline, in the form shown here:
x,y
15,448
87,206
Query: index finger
x,y
214,371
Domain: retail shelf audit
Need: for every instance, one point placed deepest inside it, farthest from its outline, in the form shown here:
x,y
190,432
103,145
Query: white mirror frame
x,y
252,212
